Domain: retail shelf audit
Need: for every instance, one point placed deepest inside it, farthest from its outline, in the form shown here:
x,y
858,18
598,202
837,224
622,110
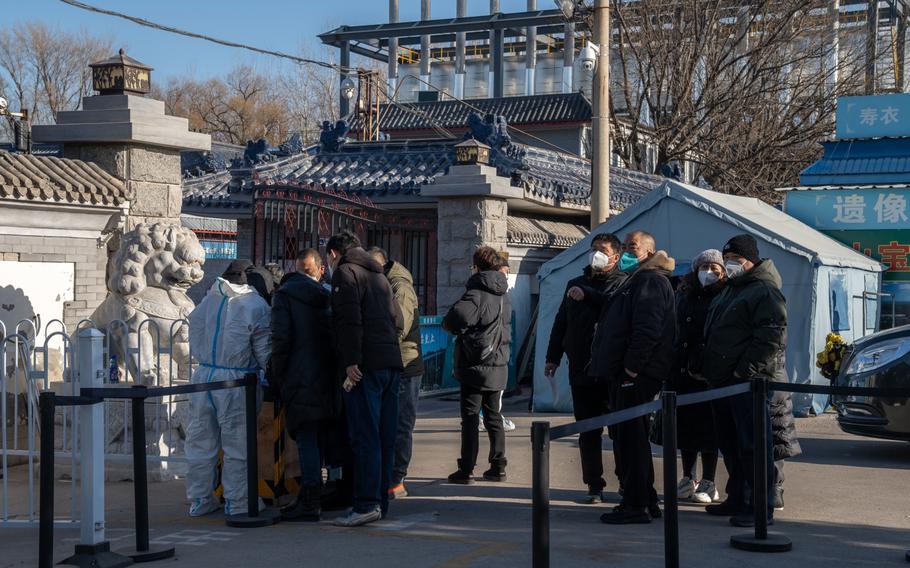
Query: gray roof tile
x,y
48,178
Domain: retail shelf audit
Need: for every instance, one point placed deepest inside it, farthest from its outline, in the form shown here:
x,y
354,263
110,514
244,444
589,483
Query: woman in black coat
x,y
481,322
695,423
305,373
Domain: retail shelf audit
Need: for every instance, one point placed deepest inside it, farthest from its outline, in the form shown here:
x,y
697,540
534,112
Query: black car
x,y
879,360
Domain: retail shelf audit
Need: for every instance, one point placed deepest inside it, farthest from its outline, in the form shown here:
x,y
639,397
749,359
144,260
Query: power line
x,y
161,27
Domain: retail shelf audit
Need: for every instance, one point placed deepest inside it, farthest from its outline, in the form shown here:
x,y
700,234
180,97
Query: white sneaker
x,y
685,489
706,492
507,424
353,519
202,507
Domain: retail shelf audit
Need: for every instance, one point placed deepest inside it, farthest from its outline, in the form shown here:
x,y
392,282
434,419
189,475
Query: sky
x,y
282,25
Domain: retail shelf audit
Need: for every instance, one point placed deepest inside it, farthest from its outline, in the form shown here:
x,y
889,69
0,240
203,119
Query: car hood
x,y
897,332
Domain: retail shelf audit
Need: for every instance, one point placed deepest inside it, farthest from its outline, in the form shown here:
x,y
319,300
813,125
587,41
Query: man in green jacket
x,y
746,336
412,361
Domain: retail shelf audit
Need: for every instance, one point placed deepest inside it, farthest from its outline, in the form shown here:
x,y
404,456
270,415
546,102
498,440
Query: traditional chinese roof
x,y
860,162
523,231
559,108
49,179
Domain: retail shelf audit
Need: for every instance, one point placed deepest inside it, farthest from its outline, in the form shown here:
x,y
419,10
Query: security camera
x,y
348,88
3,104
588,56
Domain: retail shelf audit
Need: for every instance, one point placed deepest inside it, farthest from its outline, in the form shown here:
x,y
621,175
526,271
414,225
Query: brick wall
x,y
90,267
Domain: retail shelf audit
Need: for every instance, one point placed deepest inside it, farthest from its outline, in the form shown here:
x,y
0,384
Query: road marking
x,y
407,521
192,537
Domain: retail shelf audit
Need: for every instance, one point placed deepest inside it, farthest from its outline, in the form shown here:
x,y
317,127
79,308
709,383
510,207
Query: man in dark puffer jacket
x,y
306,375
482,381
367,323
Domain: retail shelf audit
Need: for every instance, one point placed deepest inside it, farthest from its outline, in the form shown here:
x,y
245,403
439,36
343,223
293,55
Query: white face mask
x,y
733,268
707,277
598,260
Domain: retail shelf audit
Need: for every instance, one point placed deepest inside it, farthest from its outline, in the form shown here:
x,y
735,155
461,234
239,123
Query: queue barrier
x,y
99,554
760,540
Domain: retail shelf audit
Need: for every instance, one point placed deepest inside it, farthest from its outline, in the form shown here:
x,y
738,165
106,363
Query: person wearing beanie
x,y
746,336
695,423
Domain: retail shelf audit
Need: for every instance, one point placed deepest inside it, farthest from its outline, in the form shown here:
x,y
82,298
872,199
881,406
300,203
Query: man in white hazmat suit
x,y
229,337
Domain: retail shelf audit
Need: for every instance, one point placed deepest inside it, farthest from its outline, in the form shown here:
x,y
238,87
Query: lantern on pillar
x,y
472,152
121,75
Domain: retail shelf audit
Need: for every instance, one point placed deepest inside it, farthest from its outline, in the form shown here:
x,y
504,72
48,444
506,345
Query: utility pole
x,y
600,160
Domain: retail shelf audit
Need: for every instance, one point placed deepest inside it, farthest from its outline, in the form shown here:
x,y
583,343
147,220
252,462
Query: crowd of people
x,y
338,343
629,328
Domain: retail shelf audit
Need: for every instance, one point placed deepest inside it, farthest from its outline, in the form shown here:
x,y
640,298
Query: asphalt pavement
x,y
847,504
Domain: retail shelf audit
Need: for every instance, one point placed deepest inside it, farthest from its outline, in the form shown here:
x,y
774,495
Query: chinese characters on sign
x,y
891,248
870,115
894,256
874,116
851,209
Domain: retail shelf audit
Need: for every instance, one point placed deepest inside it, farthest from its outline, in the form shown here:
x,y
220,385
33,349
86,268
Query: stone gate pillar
x,y
472,211
129,136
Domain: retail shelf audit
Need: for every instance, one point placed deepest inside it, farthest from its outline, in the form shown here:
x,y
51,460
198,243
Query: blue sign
x,y
846,209
219,249
875,116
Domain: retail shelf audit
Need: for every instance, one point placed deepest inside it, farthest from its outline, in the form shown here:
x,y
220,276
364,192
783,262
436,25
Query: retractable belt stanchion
x,y
46,408
540,494
143,552
761,540
671,505
254,517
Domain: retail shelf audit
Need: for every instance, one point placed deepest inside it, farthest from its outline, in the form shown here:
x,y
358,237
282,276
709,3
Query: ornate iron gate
x,y
290,218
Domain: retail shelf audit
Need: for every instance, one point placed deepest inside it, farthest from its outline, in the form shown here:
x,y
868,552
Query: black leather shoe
x,y
461,477
654,511
747,520
626,516
725,509
306,509
494,474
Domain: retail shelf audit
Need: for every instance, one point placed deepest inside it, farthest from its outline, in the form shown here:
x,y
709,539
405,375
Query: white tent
x,y
824,281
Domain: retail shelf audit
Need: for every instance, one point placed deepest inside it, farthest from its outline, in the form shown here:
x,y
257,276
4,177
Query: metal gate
x,y
290,218
28,368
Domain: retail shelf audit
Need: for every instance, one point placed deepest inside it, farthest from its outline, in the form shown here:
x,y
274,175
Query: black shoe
x,y
725,509
778,498
626,516
494,474
747,520
461,477
306,508
654,511
337,495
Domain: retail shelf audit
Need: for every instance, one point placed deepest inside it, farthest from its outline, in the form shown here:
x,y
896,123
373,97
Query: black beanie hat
x,y
745,246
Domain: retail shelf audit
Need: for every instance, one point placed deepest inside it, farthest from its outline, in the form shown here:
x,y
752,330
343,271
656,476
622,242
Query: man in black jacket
x,y
633,348
573,330
305,373
367,323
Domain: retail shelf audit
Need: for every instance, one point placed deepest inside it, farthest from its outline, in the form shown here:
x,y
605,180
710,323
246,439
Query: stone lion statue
x,y
148,278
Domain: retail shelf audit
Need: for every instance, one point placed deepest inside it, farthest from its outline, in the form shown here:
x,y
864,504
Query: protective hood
x,y
222,288
361,258
660,261
492,281
764,271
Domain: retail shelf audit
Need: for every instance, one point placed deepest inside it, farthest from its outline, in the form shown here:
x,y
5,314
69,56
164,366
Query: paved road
x,y
847,505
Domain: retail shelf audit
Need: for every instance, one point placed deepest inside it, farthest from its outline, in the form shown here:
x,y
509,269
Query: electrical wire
x,y
227,43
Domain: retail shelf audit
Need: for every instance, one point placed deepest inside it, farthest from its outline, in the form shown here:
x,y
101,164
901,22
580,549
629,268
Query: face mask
x,y
598,260
733,268
706,277
628,262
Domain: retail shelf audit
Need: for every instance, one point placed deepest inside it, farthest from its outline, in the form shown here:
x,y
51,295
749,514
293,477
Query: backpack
x,y
481,342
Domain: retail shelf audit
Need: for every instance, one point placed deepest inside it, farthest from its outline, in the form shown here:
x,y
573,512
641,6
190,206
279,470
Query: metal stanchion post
x,y
46,408
761,540
671,505
254,517
540,494
142,553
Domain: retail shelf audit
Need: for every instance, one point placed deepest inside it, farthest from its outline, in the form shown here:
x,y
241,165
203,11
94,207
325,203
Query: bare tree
x,y
45,70
742,91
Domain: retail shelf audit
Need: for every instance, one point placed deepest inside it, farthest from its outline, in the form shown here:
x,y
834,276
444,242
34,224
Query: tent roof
x,y
751,215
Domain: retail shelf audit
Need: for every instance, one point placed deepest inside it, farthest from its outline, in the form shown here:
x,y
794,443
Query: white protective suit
x,y
229,337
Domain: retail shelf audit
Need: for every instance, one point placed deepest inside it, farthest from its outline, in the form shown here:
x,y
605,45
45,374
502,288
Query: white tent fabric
x,y
817,272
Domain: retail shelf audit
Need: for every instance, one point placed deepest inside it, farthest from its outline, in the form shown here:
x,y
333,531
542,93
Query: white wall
x,y
30,288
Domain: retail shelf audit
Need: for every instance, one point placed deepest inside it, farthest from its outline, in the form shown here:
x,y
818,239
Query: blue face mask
x,y
628,262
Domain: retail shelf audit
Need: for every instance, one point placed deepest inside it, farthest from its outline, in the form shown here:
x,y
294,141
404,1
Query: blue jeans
x,y
310,454
408,395
372,410
743,414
